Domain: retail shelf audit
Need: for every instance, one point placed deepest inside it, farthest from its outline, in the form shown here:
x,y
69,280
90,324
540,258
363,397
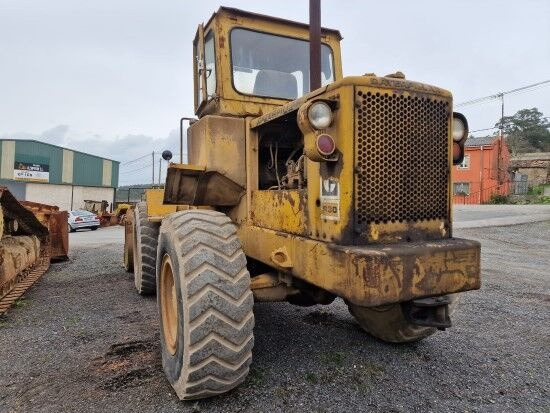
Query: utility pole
x,y
153,154
160,164
501,140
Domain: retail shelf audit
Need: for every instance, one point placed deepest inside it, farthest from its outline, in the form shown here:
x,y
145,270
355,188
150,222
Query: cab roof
x,y
243,13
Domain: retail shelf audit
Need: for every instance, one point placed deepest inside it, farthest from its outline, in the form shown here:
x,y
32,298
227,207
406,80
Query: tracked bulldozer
x,y
31,234
302,186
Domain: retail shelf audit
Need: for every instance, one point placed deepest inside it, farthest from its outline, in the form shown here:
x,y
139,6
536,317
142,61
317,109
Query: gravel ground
x,y
83,340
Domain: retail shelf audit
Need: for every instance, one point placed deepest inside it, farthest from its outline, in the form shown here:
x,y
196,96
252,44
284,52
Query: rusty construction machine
x,y
31,234
302,186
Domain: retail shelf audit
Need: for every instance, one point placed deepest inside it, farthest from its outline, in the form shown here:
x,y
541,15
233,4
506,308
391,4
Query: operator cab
x,y
245,64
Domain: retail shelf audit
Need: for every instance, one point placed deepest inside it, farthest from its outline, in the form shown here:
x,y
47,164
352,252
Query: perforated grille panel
x,y
401,158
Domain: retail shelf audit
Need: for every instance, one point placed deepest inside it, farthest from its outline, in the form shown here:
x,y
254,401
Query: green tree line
x,y
526,131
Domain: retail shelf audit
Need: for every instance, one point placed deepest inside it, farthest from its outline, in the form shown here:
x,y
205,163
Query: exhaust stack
x,y
314,44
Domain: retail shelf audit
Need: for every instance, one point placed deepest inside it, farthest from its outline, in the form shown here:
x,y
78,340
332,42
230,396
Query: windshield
x,y
274,66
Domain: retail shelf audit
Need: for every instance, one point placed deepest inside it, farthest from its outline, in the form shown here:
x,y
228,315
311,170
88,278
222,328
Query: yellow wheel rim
x,y
168,305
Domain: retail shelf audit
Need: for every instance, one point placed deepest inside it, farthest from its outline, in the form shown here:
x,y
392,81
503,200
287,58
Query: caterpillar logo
x,y
330,199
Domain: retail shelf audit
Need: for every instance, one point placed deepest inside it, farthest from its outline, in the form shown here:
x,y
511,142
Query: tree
x,y
526,131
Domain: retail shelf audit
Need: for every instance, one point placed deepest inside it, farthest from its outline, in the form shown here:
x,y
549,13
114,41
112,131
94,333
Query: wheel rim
x,y
168,305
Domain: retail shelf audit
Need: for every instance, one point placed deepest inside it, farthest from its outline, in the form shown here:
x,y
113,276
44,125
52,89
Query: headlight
x,y
319,115
460,127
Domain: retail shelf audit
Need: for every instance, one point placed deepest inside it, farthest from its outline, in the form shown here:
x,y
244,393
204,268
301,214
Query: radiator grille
x,y
401,158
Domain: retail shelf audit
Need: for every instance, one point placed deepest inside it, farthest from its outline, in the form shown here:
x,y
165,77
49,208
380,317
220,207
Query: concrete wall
x,y
82,193
66,197
51,194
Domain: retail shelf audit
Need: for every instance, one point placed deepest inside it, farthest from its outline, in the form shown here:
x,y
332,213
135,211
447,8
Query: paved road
x,y
478,216
102,236
82,340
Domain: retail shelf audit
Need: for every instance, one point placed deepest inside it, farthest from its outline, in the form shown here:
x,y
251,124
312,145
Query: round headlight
x,y
459,128
319,115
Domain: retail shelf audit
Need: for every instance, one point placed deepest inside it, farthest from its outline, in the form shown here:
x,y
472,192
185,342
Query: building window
x,y
465,164
461,188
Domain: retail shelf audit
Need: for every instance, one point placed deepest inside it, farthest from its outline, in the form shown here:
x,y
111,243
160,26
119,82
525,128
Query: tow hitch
x,y
429,312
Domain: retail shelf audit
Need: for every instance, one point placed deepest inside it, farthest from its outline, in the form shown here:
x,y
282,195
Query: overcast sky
x,y
113,77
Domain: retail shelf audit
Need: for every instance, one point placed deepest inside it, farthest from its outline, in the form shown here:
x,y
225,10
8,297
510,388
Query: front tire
x,y
145,251
205,304
388,322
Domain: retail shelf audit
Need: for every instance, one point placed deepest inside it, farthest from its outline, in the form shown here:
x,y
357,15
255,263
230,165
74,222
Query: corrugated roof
x,y
61,147
482,141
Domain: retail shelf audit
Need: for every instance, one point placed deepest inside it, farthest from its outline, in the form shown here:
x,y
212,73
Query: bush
x,y
535,190
498,199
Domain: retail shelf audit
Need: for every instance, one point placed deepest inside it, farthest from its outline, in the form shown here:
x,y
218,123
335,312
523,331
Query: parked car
x,y
83,219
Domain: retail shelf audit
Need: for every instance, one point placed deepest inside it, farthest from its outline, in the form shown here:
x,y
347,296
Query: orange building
x,y
484,172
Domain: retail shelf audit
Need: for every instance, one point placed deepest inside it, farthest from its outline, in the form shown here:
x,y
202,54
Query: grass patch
x,y
72,321
335,358
363,375
256,377
371,369
285,392
21,303
312,378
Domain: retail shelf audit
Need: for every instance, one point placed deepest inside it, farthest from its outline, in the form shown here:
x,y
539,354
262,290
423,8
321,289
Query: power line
x,y
501,94
481,130
147,155
138,169
135,160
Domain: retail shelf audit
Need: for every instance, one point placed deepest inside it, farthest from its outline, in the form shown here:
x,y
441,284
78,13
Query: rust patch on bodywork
x,y
376,274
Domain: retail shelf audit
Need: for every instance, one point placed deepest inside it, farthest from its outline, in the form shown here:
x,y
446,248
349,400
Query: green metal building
x,y
41,172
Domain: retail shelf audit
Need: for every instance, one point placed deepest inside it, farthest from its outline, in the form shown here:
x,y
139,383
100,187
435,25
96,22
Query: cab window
x,y
274,66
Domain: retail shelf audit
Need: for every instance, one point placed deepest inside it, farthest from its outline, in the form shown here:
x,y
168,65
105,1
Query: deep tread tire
x,y
213,349
388,322
145,251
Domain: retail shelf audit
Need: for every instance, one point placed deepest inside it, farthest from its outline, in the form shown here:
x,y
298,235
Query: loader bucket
x,y
57,223
195,185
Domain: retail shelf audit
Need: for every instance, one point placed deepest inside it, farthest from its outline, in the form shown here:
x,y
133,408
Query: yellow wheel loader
x,y
302,186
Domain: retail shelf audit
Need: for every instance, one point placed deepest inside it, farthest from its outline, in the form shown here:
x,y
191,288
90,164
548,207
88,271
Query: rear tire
x,y
205,304
388,323
145,251
71,229
93,228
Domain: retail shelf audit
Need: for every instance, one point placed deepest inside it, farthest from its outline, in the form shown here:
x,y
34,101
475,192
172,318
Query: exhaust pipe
x,y
314,44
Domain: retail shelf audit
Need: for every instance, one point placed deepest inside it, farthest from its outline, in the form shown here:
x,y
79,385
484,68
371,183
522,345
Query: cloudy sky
x,y
113,77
